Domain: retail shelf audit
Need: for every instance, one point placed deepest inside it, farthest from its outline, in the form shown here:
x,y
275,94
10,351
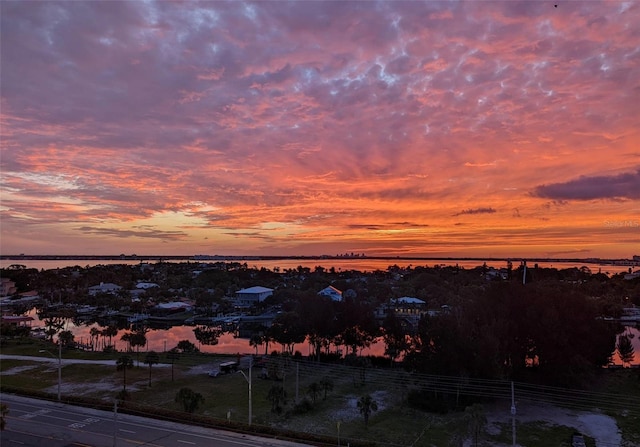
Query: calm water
x,y
361,264
161,339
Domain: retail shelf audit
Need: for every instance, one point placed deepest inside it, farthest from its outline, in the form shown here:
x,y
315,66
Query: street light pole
x,y
248,379
59,365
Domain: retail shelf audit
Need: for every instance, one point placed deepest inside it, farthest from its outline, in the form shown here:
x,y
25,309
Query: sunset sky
x,y
478,128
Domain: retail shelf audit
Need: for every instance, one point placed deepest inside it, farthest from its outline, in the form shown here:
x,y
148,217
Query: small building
x,y
171,308
17,320
632,276
146,285
7,287
407,309
252,295
104,287
331,292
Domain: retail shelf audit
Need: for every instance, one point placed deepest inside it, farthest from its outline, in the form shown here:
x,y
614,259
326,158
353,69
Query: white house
x,y
252,295
146,285
172,307
331,292
632,276
104,287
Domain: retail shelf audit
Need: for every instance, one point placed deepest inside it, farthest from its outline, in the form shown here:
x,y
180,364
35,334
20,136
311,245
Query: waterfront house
x,y
252,295
331,292
104,287
407,309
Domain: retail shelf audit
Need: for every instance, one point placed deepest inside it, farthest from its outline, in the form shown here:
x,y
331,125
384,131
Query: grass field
x,y
393,424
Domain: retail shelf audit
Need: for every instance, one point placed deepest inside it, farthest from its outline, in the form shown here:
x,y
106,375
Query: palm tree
x,y
314,391
138,338
111,331
367,405
173,355
327,385
474,414
95,334
625,348
126,337
151,359
255,341
122,364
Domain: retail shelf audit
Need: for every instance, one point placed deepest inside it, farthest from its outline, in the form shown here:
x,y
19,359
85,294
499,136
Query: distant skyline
x,y
454,129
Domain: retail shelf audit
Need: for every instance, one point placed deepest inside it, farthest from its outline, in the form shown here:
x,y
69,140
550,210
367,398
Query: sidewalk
x,y
71,361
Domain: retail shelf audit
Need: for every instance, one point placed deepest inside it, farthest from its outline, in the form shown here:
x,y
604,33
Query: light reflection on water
x,y
361,264
164,339
160,340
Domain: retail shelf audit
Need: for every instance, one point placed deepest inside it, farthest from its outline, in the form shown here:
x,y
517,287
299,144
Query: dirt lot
x,y
600,427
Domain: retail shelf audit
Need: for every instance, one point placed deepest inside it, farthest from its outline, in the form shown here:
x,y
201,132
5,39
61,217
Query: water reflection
x,y
161,340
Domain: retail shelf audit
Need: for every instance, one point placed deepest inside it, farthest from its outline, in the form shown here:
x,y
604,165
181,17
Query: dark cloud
x,y
147,233
619,186
476,211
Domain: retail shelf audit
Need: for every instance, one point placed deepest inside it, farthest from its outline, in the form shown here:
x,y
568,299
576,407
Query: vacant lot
x,y
331,410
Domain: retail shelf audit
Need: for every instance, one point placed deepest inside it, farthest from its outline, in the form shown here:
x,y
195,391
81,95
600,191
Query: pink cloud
x,y
330,118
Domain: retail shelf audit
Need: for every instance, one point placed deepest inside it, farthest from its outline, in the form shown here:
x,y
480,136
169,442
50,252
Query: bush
x,y
302,407
426,401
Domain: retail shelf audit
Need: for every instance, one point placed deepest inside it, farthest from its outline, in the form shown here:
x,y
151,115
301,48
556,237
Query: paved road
x,y
37,423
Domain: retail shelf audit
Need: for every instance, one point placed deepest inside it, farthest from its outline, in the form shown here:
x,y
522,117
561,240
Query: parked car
x,y
224,368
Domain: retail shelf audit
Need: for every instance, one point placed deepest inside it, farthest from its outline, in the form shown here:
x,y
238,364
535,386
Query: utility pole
x,y
297,379
59,367
115,422
248,379
513,415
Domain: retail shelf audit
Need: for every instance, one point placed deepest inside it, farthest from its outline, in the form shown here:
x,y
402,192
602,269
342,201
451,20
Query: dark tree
x,y
152,358
287,330
186,347
207,335
4,411
314,390
174,356
67,339
367,405
189,399
327,385
394,336
122,364
625,348
277,396
476,419
138,339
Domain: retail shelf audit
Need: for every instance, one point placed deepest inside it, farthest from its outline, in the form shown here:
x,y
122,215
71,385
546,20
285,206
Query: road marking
x,y
186,442
16,442
35,413
83,423
126,431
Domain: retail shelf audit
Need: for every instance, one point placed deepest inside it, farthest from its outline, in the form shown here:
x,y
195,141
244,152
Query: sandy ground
x,y
600,427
